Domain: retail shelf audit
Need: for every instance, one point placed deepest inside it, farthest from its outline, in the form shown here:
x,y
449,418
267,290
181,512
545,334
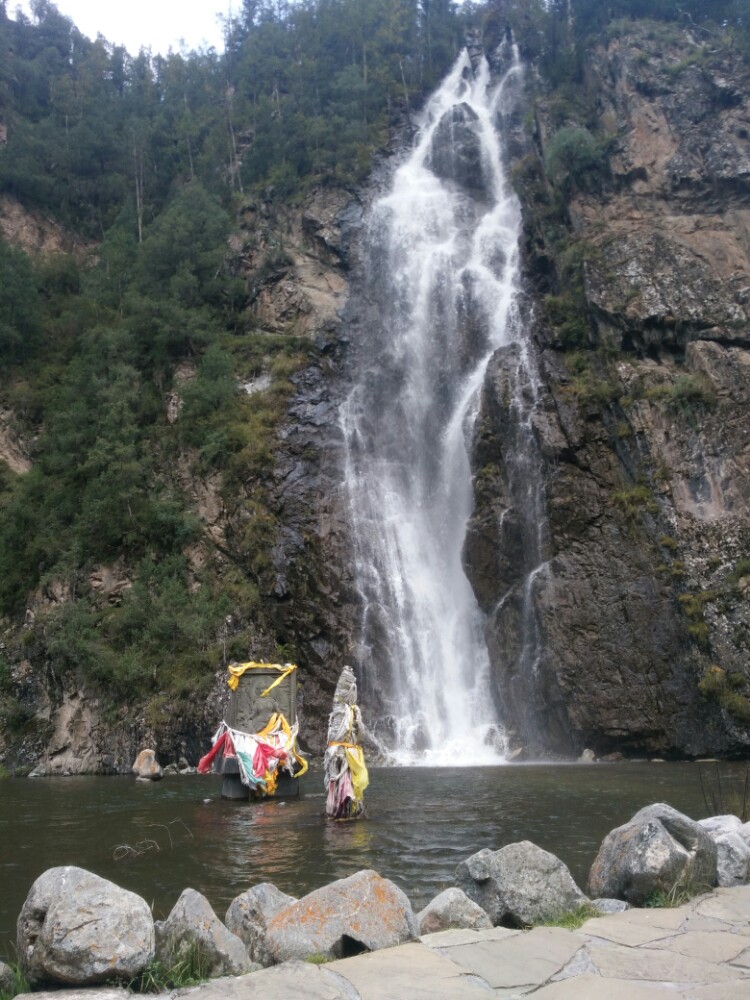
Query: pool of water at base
x,y
157,839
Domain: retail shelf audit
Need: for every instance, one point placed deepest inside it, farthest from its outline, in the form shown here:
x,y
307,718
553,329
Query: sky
x,y
157,24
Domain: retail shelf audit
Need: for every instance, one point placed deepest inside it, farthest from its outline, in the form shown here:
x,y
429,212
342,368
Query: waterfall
x,y
440,280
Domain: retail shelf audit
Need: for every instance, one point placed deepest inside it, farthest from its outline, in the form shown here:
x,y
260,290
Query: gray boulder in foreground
x,y
519,885
7,978
732,859
721,824
363,912
606,906
732,848
659,850
249,914
192,928
452,909
79,929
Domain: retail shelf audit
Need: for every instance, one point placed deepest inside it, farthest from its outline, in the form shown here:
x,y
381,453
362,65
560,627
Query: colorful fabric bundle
x,y
237,670
260,756
346,775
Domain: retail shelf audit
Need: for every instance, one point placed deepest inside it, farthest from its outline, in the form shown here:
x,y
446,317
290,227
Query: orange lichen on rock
x,y
363,912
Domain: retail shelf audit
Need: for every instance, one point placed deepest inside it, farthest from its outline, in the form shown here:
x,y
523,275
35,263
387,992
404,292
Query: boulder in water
x,y
249,914
363,912
456,149
146,766
657,851
452,909
519,885
192,927
76,928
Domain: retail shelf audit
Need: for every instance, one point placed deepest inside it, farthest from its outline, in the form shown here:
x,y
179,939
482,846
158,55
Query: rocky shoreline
x,y
78,930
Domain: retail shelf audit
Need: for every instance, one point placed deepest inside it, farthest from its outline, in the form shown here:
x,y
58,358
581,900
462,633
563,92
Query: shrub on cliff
x,y
575,159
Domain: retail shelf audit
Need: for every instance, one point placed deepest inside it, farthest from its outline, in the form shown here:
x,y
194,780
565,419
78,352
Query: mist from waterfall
x,y
441,279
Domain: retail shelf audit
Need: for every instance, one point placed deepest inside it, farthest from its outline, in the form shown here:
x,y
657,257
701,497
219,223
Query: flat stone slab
x,y
617,962
290,981
91,993
710,946
719,991
590,987
636,927
695,922
730,905
411,972
445,939
528,959
742,960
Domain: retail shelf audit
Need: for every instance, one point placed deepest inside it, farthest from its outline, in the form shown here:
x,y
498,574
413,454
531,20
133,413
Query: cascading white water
x,y
441,280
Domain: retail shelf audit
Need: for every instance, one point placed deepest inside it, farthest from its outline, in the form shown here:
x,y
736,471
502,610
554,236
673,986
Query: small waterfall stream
x,y
441,278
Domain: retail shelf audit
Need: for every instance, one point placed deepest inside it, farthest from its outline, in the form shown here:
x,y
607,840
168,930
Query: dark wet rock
x,y
456,153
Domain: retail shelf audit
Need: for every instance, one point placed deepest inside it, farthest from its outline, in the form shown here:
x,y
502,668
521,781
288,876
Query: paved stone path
x,y
699,951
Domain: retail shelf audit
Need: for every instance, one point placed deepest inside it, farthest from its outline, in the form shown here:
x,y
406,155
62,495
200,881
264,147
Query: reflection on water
x,y
420,825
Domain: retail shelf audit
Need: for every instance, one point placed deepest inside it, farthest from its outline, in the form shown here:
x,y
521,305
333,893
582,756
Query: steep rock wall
x,y
640,603
283,529
310,597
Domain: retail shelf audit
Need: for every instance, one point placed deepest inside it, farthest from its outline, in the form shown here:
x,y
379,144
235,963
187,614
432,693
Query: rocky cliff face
x,y
284,529
610,543
309,595
641,312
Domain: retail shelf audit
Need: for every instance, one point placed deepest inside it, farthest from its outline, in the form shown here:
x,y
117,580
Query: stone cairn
x,y
345,773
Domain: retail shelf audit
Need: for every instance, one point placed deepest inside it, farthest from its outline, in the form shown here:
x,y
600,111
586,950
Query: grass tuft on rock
x,y
574,919
188,968
19,983
678,895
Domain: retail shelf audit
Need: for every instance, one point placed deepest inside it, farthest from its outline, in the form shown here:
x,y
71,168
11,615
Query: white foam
x,y
436,256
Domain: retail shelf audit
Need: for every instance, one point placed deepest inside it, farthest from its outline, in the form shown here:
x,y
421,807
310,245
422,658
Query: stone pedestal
x,y
250,713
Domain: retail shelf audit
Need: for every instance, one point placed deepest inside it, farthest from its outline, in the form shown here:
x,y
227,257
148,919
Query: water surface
x,y
421,823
